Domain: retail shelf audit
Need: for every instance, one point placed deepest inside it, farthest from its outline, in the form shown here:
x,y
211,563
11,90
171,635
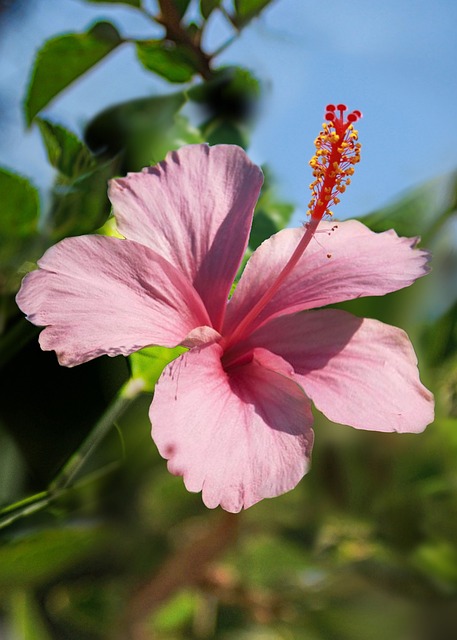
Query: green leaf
x,y
64,59
439,561
20,205
66,152
231,94
177,612
248,9
82,205
133,3
140,130
174,62
147,365
208,6
271,214
220,131
40,556
20,214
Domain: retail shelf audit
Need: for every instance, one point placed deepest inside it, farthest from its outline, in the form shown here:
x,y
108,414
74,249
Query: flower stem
x,y
65,478
124,398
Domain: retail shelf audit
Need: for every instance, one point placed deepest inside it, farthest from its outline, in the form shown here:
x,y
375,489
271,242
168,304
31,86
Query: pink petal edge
x,y
97,295
345,260
357,371
238,438
194,209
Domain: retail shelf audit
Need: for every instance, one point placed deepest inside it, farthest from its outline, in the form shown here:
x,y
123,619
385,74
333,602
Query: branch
x,y
186,567
171,20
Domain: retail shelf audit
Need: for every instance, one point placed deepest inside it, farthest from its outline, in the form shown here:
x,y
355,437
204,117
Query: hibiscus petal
x,y
195,209
99,295
358,372
237,437
344,260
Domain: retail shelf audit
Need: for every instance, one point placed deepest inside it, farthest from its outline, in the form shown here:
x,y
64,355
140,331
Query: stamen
x,y
337,151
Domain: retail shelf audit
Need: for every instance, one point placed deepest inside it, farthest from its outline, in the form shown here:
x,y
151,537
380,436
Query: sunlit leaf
x,y
65,151
439,561
65,58
182,132
177,612
174,62
147,365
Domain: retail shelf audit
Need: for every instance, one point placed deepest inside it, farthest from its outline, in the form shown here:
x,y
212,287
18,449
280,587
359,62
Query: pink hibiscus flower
x,y
233,414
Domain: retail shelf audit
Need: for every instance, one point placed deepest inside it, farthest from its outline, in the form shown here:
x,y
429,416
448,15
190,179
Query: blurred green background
x,y
98,541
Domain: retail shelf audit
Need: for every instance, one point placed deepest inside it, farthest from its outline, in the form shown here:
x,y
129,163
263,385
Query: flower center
x,y
337,151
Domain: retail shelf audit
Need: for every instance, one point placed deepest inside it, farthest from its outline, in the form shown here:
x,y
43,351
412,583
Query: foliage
x,y
98,541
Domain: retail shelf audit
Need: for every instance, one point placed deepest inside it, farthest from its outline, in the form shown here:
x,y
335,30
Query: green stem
x,y
124,398
23,508
67,474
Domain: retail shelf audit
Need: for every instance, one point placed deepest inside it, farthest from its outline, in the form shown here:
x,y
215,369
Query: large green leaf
x,y
140,130
219,131
65,151
81,205
19,220
174,62
65,58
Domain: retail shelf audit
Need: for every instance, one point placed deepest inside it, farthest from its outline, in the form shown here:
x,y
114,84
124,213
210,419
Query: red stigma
x,y
337,151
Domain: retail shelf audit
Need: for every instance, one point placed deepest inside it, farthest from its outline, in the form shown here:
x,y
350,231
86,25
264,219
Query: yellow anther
x,y
337,151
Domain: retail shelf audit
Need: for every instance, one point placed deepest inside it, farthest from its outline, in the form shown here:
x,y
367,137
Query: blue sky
x,y
392,60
